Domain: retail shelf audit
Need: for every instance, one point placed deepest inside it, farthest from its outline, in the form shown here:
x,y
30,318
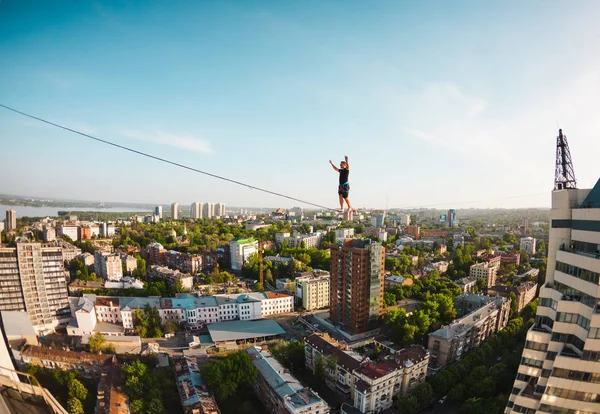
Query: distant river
x,y
29,211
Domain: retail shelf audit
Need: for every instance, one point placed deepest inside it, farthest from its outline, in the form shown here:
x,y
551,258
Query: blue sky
x,y
436,103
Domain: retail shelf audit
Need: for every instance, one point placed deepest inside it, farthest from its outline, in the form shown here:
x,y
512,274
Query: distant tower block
x,y
564,175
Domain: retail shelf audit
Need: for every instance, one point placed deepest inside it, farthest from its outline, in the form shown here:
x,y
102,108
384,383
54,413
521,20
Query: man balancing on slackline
x,y
344,186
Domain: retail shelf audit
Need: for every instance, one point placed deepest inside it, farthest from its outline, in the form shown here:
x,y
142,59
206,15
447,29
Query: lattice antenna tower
x,y
564,174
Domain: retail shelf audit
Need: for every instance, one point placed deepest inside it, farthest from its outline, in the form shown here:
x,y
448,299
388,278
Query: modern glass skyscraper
x,y
560,366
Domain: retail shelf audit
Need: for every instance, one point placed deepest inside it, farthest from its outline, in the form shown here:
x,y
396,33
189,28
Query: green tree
x,y
225,377
407,404
514,304
77,390
259,287
389,299
96,342
75,406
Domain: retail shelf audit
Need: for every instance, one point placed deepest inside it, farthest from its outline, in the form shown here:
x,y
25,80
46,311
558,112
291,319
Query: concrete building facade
x,y
33,279
560,365
174,211
483,316
312,290
527,244
484,271
240,250
11,221
196,210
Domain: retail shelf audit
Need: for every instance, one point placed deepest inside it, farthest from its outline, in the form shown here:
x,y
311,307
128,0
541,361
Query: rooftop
x,y
70,357
107,301
192,391
239,330
17,323
466,323
281,381
376,370
324,344
276,295
111,400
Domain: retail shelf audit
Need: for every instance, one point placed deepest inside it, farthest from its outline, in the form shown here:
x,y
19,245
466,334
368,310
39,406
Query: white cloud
x,y
187,142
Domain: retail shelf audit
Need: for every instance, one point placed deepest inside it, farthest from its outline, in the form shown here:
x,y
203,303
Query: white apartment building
x,y
108,266
527,244
280,237
240,250
208,210
560,365
86,258
174,211
485,271
49,233
196,210
309,241
405,219
220,210
312,290
71,231
375,385
343,234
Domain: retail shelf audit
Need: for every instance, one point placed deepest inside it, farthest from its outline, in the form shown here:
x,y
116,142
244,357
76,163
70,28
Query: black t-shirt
x,y
344,172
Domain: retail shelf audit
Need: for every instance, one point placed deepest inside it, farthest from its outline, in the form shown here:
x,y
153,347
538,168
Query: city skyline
x,y
465,98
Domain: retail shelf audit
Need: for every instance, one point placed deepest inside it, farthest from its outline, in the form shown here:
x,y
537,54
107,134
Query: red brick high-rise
x,y
356,292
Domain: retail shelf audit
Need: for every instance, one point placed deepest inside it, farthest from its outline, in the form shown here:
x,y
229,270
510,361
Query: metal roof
x,y
237,330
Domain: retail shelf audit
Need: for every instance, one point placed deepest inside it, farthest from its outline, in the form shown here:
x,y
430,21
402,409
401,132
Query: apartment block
x,y
49,234
172,276
208,210
71,231
108,266
527,244
158,211
196,210
511,258
343,234
11,221
357,284
220,210
405,219
154,254
414,231
309,241
240,250
560,365
311,289
186,262
467,284
484,271
33,279
524,293
279,390
483,317
174,211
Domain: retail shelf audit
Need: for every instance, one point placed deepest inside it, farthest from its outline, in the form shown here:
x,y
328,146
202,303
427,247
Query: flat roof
x,y
17,323
238,330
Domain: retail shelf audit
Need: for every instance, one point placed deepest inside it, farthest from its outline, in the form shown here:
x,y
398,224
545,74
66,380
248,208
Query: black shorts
x,y
344,190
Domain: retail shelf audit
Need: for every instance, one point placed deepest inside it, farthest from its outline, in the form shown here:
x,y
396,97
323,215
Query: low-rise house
x,y
279,390
394,280
88,365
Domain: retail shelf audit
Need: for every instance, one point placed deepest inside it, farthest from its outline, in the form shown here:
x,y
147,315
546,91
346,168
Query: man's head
x,y
343,164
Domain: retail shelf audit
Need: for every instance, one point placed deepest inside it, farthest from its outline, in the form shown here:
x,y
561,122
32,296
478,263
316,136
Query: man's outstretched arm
x,y
334,167
347,163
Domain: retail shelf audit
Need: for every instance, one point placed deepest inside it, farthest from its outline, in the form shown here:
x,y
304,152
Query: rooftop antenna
x,y
564,175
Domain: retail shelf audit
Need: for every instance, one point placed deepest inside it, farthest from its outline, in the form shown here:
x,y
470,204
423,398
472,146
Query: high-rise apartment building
x,y
527,244
32,277
196,210
11,221
174,211
560,365
158,211
220,210
240,250
357,268
451,218
208,211
108,266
